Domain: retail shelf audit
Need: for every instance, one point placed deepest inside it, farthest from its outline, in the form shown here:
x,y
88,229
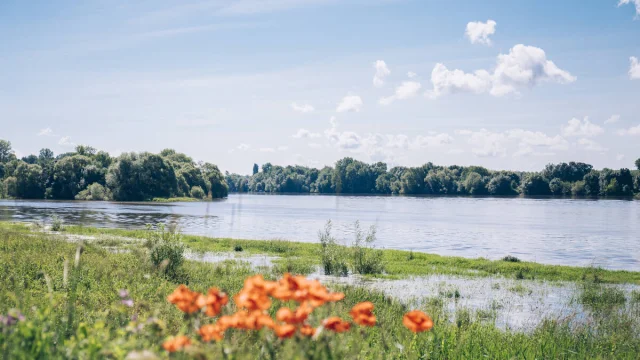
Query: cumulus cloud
x,y
350,103
634,68
478,32
585,128
46,132
303,108
612,119
382,71
405,90
591,145
411,74
634,2
524,66
66,141
634,130
305,134
486,143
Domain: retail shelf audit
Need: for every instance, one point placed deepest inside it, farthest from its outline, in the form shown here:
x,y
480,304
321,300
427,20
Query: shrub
x,y
95,192
197,192
333,258
167,250
598,296
56,223
366,259
238,248
510,258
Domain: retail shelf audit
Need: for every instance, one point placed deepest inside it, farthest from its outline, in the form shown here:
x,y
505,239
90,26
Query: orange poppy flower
x,y
211,332
176,343
284,331
336,324
185,299
417,321
362,314
307,330
294,317
213,301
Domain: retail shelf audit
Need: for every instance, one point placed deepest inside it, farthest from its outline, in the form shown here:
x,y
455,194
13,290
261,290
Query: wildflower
x,y
285,331
307,330
336,324
300,289
417,321
255,294
176,343
123,294
362,314
185,299
211,332
294,317
213,301
127,302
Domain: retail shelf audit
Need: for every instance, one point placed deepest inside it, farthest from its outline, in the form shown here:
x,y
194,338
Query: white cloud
x,y
304,134
620,157
612,119
538,139
243,147
635,2
591,145
584,128
634,68
46,132
382,71
314,145
303,108
411,74
66,141
486,143
350,103
524,66
282,148
421,141
634,130
405,90
478,32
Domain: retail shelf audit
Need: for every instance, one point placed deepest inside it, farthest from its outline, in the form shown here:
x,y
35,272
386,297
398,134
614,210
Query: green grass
x,y
83,319
397,263
175,199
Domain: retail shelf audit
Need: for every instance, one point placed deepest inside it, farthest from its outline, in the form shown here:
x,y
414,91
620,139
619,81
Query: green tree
x,y
535,184
501,185
255,169
69,176
6,153
138,177
29,184
218,187
638,163
475,184
11,187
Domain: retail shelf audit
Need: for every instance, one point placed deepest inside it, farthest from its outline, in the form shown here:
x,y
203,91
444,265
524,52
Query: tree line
x,y
350,176
89,174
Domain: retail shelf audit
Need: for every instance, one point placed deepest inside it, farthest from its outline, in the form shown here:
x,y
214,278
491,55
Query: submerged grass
x,y
397,263
79,313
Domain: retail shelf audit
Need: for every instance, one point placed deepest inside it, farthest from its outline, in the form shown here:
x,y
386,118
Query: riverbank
x,y
79,312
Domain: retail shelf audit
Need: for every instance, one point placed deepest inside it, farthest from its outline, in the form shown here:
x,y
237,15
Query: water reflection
x,y
559,231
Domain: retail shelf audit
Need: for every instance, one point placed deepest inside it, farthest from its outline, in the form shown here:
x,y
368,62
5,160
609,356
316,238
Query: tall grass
x,y
82,315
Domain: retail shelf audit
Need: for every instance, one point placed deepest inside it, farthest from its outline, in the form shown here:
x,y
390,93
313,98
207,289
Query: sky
x,y
503,84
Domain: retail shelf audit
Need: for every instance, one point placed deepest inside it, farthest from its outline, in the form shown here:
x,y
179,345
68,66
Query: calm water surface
x,y
553,231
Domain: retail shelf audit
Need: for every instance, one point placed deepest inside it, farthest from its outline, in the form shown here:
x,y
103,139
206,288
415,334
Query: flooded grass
x,y
398,263
475,315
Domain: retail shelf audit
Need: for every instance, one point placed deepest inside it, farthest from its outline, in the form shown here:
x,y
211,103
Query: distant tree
x,y
197,192
6,153
85,150
30,159
29,184
266,168
136,177
69,176
218,187
475,184
592,184
255,169
11,186
501,185
535,184
638,164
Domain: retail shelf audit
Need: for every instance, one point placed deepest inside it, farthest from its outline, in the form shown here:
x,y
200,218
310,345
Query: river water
x,y
554,231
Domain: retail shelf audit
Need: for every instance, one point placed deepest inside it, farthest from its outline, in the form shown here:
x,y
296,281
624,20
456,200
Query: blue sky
x,y
504,84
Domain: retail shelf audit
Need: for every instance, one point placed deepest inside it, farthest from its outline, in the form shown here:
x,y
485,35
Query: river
x,y
554,231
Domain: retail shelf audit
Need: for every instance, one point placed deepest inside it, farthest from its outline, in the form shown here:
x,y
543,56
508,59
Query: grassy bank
x,y
80,315
304,257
